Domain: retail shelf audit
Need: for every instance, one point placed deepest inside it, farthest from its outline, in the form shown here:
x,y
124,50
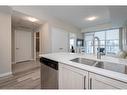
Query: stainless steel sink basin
x,y
99,64
121,68
84,61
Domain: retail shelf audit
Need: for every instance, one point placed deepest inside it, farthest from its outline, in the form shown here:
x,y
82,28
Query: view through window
x,y
72,41
109,39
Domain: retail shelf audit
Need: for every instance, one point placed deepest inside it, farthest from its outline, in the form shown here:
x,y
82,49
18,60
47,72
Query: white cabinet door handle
x,y
60,48
90,83
84,82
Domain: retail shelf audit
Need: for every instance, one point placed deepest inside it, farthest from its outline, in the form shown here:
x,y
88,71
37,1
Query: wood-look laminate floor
x,y
23,66
28,79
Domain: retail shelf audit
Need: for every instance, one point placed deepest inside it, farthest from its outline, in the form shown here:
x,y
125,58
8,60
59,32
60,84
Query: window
x,y
72,42
72,37
101,36
109,39
88,42
112,41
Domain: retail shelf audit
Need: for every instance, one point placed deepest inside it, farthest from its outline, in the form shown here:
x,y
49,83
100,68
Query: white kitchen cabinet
x,y
72,78
101,82
60,40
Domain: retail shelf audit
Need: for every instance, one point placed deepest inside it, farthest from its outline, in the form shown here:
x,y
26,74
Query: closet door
x,y
60,40
23,45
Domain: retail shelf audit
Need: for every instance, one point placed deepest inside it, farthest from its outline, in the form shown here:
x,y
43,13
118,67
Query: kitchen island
x,y
74,75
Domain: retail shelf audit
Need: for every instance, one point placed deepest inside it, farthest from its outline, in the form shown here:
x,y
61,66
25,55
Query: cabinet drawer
x,y
83,72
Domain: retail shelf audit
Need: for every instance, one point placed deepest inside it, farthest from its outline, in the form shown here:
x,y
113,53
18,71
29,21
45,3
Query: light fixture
x,y
91,18
32,19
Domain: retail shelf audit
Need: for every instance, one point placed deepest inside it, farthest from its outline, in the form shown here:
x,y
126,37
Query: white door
x,y
60,40
23,45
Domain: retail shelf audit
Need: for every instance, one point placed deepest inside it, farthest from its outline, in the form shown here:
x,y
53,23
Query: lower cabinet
x,y
72,78
101,82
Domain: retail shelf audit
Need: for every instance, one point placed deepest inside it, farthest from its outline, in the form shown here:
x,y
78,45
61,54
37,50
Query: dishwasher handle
x,y
48,62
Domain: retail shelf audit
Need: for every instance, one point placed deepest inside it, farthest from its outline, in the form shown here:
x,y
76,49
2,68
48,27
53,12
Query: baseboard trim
x,y
6,74
24,61
32,59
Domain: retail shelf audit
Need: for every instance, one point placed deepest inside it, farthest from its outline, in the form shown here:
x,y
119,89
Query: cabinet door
x,y
72,78
60,40
100,82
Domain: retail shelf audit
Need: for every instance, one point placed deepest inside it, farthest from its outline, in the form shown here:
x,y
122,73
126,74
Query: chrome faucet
x,y
98,52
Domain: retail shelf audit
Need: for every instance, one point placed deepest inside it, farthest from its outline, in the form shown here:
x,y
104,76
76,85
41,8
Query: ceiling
x,y
75,15
20,20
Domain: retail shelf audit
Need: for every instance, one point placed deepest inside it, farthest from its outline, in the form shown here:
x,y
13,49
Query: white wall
x,y
67,28
5,41
45,38
13,45
97,28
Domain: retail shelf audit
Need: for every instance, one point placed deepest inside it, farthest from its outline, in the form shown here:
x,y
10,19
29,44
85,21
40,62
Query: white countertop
x,y
66,57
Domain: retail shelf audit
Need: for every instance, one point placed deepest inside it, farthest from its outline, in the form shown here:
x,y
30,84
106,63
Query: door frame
x,y
34,36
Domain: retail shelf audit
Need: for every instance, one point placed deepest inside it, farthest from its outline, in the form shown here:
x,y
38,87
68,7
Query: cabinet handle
x,y
60,48
90,83
84,82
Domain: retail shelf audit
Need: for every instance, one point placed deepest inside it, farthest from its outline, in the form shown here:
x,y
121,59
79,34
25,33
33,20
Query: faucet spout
x,y
98,41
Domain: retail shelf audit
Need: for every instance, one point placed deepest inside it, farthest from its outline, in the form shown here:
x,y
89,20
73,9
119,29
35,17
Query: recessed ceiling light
x,y
91,18
32,19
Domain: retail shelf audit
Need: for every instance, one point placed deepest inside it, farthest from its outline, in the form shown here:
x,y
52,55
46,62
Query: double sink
x,y
89,62
121,68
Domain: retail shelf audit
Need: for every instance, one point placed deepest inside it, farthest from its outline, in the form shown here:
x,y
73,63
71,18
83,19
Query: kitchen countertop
x,y
66,57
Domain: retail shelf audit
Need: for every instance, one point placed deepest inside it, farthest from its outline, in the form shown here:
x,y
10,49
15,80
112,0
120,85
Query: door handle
x,y
17,48
84,82
60,48
90,83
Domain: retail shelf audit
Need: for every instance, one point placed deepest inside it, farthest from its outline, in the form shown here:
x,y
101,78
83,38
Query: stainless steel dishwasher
x,y
49,73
